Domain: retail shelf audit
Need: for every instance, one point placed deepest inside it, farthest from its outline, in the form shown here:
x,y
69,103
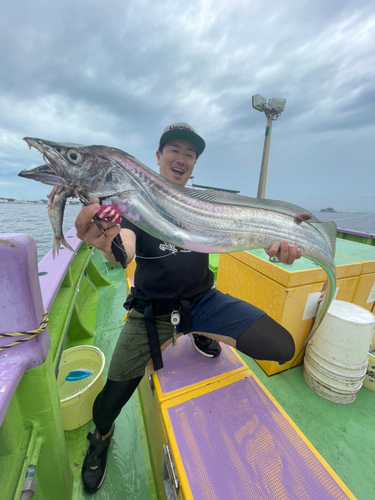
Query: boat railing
x,y
30,290
358,236
32,442
52,271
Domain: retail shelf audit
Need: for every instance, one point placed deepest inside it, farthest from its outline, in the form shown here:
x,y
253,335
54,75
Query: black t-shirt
x,y
168,272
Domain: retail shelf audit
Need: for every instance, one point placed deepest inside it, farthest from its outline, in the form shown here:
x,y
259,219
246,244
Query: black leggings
x,y
109,403
265,339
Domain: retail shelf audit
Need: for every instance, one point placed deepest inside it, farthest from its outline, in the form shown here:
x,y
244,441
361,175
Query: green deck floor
x,y
343,434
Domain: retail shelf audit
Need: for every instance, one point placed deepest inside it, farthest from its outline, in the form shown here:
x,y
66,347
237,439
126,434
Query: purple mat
x,y
236,444
184,366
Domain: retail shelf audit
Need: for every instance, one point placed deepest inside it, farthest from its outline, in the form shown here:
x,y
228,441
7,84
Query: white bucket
x,y
336,359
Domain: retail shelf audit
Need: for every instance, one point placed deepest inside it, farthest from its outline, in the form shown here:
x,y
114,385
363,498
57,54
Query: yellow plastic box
x,y
130,270
289,294
184,371
364,295
231,440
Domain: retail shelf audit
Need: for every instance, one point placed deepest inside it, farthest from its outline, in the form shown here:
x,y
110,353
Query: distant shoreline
x,y
12,201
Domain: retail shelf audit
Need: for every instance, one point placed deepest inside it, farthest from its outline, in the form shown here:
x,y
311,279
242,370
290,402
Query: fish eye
x,y
74,156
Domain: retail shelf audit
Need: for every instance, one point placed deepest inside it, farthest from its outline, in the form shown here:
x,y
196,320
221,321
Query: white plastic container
x,y
336,357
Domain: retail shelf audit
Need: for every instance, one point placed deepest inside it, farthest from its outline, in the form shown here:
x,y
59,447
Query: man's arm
x,y
128,240
89,232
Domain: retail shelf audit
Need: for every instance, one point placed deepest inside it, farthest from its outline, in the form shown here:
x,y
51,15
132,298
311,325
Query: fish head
x,y
93,168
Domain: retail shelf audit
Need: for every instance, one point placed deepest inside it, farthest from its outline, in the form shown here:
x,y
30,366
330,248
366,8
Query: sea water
x,y
358,221
32,219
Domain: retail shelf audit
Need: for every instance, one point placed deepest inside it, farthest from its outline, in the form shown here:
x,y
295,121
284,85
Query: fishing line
x,y
138,257
149,258
158,257
350,218
58,175
53,170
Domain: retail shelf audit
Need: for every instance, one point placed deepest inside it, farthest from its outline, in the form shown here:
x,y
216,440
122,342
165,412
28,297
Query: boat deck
x,y
343,434
129,473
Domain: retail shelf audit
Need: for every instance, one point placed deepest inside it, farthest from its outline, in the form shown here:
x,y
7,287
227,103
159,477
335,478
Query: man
x,y
170,284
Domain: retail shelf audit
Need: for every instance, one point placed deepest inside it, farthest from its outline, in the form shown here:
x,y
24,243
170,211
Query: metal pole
x,y
266,152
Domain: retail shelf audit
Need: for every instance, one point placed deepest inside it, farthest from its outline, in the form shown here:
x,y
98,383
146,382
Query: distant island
x,y
37,202
329,209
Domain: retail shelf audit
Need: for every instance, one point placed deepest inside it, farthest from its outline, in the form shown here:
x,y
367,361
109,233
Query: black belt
x,y
152,308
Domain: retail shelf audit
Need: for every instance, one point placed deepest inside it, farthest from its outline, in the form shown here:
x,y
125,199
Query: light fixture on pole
x,y
272,110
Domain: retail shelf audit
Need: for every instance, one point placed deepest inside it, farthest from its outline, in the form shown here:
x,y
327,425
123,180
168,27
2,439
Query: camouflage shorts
x,y
132,353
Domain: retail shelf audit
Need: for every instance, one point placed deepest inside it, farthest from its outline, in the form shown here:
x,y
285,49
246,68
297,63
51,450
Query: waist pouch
x,y
159,307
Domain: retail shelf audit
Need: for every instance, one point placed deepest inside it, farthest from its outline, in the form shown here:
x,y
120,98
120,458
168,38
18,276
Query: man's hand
x,y
89,232
285,253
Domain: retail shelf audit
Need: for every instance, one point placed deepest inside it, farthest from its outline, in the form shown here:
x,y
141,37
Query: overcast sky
x,y
117,72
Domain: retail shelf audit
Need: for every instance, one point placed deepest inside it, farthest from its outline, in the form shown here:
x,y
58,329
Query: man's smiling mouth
x,y
178,171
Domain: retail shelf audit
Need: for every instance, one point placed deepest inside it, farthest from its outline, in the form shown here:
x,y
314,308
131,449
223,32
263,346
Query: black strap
x,y
153,337
187,326
119,251
159,307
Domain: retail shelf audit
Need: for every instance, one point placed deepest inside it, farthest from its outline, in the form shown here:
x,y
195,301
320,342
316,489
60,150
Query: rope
x,y
31,334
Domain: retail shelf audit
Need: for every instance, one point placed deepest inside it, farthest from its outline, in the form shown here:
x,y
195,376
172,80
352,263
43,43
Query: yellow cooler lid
x,y
358,251
302,272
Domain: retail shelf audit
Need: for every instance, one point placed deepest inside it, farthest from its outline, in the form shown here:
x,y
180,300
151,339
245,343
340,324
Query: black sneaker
x,y
205,346
94,466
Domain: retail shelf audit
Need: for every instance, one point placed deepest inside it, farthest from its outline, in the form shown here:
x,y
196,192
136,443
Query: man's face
x,y
176,162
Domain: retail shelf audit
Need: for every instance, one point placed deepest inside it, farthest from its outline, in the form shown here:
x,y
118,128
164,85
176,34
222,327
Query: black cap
x,y
183,130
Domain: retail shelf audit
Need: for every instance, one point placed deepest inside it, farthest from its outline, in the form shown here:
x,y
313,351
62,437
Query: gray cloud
x,y
116,73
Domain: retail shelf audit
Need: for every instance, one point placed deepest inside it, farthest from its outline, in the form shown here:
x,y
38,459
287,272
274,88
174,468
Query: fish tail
x,y
57,242
324,306
66,245
56,246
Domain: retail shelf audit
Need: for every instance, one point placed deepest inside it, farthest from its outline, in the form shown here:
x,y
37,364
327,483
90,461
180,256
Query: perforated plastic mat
x,y
184,366
235,443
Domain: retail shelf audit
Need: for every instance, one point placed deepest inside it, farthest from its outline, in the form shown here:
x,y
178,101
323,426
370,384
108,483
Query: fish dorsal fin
x,y
328,230
226,198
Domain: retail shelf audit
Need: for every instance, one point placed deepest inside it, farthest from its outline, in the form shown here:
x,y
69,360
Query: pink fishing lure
x,y
109,213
